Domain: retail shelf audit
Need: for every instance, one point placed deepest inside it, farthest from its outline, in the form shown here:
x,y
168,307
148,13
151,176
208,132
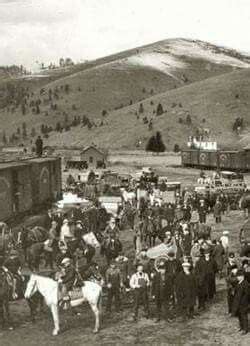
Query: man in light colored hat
x,y
68,275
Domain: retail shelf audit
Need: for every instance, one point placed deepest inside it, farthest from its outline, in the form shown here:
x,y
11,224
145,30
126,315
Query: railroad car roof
x,y
10,164
43,159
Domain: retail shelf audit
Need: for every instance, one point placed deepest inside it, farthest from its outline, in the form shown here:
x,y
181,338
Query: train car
x,y
15,189
204,158
223,160
26,184
194,157
186,158
46,180
247,159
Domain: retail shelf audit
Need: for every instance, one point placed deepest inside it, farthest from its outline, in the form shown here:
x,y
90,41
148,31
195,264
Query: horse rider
x,y
68,277
12,266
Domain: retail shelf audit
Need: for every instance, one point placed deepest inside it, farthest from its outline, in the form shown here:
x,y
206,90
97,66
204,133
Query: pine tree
x,y
160,146
159,110
151,145
141,109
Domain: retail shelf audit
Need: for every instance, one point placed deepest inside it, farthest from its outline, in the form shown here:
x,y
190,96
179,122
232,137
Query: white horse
x,y
128,196
49,289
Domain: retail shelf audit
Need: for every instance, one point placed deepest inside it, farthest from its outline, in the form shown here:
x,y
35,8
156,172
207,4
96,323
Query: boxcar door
x,y
44,185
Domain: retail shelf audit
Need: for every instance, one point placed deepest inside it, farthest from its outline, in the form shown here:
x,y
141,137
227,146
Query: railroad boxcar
x,y
186,158
194,158
46,180
27,184
204,158
15,189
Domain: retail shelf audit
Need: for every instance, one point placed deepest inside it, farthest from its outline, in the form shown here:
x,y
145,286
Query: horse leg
x,y
55,315
7,313
32,307
96,312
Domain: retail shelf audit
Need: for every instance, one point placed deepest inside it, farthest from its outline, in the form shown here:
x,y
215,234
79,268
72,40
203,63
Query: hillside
x,y
218,100
105,92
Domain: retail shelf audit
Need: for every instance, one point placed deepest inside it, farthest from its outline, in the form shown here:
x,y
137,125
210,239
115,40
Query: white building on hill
x,y
194,143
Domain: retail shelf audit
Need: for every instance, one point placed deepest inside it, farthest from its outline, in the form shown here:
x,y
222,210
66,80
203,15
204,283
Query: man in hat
x,y
77,213
160,292
232,282
231,262
202,210
111,228
173,268
186,291
114,284
200,272
211,270
68,276
241,302
139,282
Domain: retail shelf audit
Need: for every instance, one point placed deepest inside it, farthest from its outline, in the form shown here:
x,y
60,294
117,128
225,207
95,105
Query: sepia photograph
x,y
124,172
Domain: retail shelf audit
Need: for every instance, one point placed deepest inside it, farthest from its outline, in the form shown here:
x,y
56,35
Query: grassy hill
x,y
171,71
218,100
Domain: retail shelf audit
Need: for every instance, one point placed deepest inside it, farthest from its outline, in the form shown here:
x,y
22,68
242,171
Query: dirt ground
x,y
213,327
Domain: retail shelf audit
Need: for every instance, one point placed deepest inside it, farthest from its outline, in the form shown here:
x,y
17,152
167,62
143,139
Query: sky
x,y
45,30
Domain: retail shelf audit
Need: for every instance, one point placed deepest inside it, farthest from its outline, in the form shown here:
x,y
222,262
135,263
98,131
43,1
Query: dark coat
x,y
201,273
173,268
241,298
186,290
160,288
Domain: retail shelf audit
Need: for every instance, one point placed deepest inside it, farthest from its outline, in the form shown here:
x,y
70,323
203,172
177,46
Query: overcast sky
x,y
45,30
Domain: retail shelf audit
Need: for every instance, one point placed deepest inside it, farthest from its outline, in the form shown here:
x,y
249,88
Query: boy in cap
x,y
241,302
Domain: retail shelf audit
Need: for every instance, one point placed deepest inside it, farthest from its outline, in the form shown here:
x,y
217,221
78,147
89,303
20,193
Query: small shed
x,y
94,157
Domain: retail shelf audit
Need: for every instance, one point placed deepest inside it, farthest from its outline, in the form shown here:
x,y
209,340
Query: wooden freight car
x,y
225,160
28,184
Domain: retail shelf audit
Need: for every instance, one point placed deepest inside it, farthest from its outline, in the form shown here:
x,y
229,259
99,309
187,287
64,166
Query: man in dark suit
x,y
241,302
200,273
160,292
186,291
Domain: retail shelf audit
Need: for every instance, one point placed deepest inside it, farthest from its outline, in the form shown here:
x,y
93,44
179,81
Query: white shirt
x,y
65,232
134,280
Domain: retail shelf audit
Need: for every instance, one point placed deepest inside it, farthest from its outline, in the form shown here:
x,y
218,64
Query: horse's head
x,y
31,288
90,239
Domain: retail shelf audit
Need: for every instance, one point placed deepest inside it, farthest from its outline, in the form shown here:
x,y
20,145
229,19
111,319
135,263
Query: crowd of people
x,y
181,284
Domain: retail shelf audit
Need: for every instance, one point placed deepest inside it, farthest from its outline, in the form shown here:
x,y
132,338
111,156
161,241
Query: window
x,y
91,160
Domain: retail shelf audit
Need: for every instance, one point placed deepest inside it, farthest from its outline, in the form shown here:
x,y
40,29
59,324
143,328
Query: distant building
x,y
93,156
194,143
90,157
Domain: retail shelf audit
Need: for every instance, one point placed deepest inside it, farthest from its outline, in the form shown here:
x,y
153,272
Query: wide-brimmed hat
x,y
66,261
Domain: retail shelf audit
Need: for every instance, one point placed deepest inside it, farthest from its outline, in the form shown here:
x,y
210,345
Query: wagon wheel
x,y
159,260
